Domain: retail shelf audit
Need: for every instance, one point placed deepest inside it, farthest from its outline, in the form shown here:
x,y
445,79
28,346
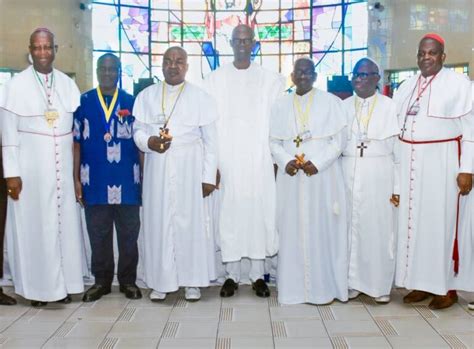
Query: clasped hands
x,y
160,143
299,163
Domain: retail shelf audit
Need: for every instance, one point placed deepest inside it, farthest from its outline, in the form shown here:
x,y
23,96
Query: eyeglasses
x,y
308,72
363,76
241,41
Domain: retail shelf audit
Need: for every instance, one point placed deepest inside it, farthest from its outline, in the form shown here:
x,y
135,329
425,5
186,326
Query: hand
x,y
464,183
395,200
14,186
292,168
207,189
309,169
78,191
158,144
218,179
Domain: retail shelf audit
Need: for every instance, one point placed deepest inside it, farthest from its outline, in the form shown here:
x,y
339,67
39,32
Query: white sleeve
x,y
10,144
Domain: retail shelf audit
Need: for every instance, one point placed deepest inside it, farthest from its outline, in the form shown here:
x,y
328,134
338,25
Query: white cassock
x,y
370,169
178,247
43,232
311,211
247,191
428,171
464,280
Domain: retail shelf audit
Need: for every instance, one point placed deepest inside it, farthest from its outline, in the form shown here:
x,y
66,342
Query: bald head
x,y
303,75
365,77
175,65
242,43
243,29
42,50
45,31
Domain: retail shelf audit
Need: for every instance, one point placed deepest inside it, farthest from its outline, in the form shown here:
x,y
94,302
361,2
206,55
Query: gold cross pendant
x,y
298,140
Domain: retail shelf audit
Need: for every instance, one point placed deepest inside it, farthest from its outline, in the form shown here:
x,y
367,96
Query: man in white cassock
x,y
175,128
370,166
464,280
44,239
244,92
308,131
436,166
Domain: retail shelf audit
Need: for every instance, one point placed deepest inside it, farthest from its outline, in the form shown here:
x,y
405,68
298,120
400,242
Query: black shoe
x,y
6,300
65,300
229,287
95,292
131,291
37,304
261,289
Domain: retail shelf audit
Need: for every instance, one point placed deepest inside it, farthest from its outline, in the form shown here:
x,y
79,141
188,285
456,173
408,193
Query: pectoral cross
x,y
362,146
298,140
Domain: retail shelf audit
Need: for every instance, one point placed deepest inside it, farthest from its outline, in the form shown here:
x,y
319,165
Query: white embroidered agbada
x,y
43,233
247,195
428,171
370,167
311,211
178,247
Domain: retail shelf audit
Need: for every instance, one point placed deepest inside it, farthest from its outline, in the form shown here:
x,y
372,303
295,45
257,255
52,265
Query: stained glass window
x,y
333,32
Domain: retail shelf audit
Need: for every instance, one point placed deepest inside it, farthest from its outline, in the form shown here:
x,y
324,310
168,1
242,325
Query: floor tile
x,y
343,328
24,343
367,342
89,329
127,343
299,311
102,313
454,311
149,314
186,343
304,328
250,313
405,342
453,325
412,327
302,343
233,329
23,330
194,313
466,339
197,329
47,315
246,343
73,343
351,312
150,329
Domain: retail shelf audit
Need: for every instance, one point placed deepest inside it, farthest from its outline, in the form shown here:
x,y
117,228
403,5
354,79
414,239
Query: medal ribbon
x,y
163,107
364,120
303,116
107,111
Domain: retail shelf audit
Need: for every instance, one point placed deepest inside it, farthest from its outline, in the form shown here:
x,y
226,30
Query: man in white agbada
x,y
44,239
244,93
308,131
434,111
175,128
370,169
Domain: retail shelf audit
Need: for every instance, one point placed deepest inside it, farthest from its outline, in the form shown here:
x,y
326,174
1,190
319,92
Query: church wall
x,y
72,28
395,30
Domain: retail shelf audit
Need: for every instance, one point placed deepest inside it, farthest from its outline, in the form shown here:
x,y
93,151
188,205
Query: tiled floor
x,y
243,321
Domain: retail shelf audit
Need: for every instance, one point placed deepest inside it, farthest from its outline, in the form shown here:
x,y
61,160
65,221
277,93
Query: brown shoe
x,y
442,302
416,296
5,299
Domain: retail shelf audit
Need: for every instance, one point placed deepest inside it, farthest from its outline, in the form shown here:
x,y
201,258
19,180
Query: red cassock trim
x,y
458,141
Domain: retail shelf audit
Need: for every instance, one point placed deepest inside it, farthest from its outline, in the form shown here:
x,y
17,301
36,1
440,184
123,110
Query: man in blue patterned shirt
x,y
107,179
